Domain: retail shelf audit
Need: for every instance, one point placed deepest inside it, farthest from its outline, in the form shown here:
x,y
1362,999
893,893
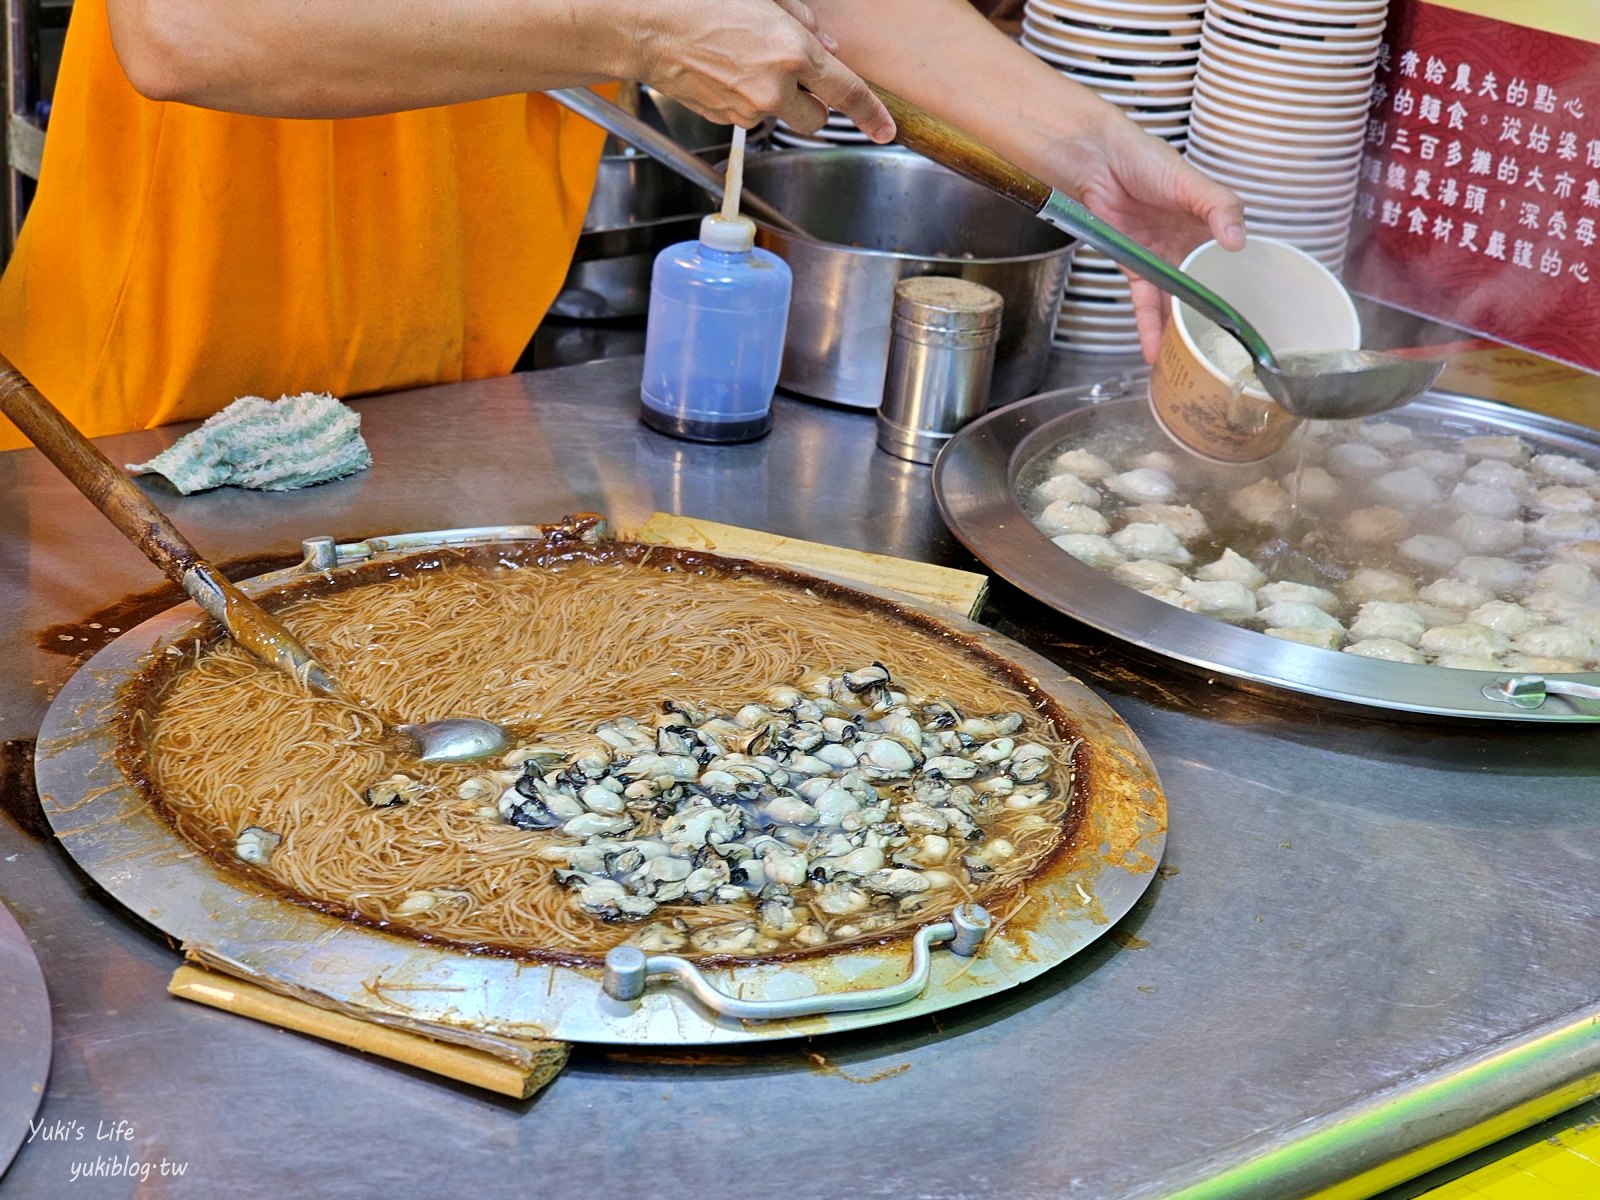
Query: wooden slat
x,y
962,591
460,1063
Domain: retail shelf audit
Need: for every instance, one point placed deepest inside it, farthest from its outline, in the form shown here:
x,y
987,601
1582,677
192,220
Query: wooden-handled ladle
x,y
1317,384
454,739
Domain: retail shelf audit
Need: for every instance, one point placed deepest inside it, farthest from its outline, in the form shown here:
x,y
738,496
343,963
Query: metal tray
x,y
460,996
974,482
24,1037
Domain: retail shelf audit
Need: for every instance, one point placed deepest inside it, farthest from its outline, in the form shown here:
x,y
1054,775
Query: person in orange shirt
x,y
265,197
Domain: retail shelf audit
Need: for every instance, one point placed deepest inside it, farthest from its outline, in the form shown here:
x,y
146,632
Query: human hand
x,y
1142,186
740,61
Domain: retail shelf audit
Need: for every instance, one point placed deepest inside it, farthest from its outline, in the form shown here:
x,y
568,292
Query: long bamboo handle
x,y
143,524
965,155
949,147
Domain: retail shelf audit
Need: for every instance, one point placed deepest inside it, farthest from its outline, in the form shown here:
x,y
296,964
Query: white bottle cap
x,y
730,234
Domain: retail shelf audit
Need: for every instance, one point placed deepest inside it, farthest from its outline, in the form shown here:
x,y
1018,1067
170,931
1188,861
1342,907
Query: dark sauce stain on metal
x,y
99,629
1127,941
570,543
19,797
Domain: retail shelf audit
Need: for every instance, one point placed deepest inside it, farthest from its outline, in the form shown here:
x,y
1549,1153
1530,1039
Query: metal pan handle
x,y
1529,692
628,970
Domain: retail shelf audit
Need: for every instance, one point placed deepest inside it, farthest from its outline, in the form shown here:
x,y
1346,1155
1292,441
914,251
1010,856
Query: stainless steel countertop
x,y
1373,933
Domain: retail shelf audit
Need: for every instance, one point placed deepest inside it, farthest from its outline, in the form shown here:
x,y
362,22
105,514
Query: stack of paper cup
x,y
1280,109
1142,55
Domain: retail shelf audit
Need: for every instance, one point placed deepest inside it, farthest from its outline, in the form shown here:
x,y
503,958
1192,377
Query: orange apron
x,y
176,258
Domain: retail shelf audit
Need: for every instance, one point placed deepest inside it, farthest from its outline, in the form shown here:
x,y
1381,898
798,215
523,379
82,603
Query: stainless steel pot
x,y
876,216
637,208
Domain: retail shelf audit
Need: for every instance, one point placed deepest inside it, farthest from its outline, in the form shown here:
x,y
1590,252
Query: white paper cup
x,y
1241,147
1292,299
1273,67
1364,18
1227,163
1225,75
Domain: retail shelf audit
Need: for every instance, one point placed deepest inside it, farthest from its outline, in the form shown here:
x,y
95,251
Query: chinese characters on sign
x,y
1480,181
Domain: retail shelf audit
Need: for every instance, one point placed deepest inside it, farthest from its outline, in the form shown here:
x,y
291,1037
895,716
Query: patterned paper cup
x,y
1295,302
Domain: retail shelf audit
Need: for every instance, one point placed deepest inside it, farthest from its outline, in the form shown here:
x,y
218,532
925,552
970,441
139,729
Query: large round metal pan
x,y
454,994
24,1037
974,481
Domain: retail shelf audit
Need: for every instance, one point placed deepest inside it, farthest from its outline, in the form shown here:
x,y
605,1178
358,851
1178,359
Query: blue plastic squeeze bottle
x,y
714,338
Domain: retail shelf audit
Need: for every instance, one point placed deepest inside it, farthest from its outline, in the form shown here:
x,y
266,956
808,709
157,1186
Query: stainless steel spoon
x,y
1320,384
454,739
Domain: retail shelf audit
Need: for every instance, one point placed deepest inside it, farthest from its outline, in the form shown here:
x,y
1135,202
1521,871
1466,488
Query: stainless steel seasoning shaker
x,y
941,358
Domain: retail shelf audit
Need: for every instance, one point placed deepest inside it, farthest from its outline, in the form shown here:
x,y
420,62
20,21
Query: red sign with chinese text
x,y
1480,188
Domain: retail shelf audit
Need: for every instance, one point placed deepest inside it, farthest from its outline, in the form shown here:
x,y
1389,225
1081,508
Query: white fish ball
x,y
1086,466
1317,488
1355,460
1505,617
1404,489
1443,465
1564,469
1559,498
1556,641
1295,614
1486,499
1144,574
1501,474
1322,639
1495,574
1299,593
1468,660
1090,548
1188,523
1388,621
1430,550
1068,516
1225,599
1174,596
1386,649
1487,535
1456,593
1573,578
1233,566
1565,527
1143,486
1465,636
1161,460
1585,551
1503,449
1589,622
1556,606
1379,524
1154,542
1068,487
1374,583
1387,434
1544,666
1262,503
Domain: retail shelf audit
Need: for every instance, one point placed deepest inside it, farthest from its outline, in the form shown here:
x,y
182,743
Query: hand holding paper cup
x,y
1293,300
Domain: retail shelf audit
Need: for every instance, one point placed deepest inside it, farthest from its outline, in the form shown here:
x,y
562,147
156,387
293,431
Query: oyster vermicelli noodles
x,y
709,759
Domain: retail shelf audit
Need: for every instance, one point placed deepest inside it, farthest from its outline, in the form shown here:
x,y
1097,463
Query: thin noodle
x,y
550,651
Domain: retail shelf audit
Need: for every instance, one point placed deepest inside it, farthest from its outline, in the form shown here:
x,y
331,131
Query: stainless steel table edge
x,y
1558,1059
974,484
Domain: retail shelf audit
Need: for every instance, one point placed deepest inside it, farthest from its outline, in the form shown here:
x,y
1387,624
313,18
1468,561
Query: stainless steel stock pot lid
x,y
454,994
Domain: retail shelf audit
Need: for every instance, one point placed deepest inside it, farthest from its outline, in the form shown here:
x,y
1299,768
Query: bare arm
x,y
944,56
731,60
